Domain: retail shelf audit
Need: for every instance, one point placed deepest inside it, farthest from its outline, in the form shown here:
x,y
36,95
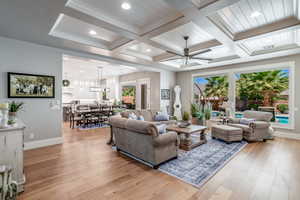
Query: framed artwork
x,y
30,85
165,94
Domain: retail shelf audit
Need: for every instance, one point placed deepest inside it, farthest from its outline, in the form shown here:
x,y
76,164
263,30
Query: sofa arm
x,y
233,120
259,124
166,138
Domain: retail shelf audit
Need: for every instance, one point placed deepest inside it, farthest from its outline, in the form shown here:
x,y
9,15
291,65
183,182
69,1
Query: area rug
x,y
200,164
92,126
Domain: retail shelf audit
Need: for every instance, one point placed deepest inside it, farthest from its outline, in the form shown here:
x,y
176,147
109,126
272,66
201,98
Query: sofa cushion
x,y
141,118
161,128
144,127
147,115
132,116
246,121
125,114
161,117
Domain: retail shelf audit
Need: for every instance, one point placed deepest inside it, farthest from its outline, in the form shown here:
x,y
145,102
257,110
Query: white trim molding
x,y
43,143
281,134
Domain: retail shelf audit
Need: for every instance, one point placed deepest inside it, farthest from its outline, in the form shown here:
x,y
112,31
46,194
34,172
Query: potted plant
x,y
195,113
186,116
14,107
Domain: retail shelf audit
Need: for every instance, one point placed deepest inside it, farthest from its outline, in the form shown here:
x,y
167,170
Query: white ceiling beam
x,y
273,28
118,45
91,41
199,17
98,22
84,8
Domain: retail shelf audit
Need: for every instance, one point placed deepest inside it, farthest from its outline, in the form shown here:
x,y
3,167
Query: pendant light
x,y
98,87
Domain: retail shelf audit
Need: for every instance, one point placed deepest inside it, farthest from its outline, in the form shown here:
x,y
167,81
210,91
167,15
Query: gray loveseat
x,y
142,140
257,130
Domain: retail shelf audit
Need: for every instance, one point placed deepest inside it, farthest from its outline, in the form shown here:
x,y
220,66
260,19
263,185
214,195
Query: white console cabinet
x,y
11,151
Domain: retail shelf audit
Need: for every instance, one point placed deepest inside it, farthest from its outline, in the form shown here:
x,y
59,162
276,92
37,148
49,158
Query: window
x,y
264,91
268,88
212,89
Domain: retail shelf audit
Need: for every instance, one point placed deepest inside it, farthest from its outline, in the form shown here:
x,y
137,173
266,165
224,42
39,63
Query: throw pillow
x,y
141,118
246,121
162,128
161,117
132,116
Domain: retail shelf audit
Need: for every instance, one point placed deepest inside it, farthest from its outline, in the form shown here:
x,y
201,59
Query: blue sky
x,y
201,80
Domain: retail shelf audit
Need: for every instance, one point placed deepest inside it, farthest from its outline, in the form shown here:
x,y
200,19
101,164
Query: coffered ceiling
x,y
143,32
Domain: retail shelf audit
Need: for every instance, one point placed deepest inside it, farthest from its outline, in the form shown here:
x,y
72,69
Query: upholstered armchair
x,y
258,125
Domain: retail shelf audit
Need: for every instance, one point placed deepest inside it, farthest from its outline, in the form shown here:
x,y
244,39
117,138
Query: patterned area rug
x,y
200,164
92,126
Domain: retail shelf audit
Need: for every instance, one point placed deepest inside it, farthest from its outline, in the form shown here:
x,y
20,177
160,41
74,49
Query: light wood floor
x,y
85,168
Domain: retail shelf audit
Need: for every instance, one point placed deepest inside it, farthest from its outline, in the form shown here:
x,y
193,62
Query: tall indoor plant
x,y
197,113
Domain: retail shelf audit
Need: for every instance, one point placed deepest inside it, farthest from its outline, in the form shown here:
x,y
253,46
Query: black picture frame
x,y
165,94
9,85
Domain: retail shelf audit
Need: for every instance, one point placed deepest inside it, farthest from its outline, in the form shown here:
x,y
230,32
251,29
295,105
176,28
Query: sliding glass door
x,y
212,90
267,88
264,91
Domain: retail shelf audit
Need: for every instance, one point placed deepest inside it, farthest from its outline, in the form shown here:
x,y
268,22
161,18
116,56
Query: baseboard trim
x,y
295,136
42,143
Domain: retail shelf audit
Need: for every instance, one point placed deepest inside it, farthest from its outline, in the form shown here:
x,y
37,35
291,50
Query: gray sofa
x,y
257,130
148,116
142,140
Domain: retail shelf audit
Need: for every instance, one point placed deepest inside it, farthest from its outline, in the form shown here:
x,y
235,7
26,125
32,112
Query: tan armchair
x,y
257,130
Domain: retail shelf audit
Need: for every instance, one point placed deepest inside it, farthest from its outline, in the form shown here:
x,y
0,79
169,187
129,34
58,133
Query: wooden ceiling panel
x,y
250,14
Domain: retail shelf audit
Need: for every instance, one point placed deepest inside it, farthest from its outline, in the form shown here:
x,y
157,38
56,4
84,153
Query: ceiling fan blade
x,y
199,58
170,59
171,52
201,52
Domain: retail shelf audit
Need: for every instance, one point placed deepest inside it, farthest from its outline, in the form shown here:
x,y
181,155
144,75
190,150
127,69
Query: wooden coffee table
x,y
186,142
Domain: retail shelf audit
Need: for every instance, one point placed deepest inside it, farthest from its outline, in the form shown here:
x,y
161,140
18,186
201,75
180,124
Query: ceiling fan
x,y
186,54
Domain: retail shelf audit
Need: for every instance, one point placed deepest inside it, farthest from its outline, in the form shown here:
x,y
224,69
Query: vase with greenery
x,y
194,112
186,116
14,108
207,111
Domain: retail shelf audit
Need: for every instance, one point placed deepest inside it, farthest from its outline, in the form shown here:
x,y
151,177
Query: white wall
x,y
167,81
23,57
154,85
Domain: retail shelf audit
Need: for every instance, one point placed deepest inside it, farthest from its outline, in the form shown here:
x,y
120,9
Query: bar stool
x,y
8,188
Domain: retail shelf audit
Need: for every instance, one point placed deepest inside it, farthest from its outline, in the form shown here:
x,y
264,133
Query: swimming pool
x,y
279,119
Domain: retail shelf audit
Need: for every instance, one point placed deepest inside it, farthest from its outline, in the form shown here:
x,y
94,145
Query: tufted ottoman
x,y
227,133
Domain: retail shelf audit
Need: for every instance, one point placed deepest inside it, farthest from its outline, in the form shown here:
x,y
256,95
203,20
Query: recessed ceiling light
x,y
148,50
81,71
255,14
92,32
126,6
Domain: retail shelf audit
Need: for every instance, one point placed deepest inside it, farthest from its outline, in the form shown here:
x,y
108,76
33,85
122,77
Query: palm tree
x,y
262,85
217,87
